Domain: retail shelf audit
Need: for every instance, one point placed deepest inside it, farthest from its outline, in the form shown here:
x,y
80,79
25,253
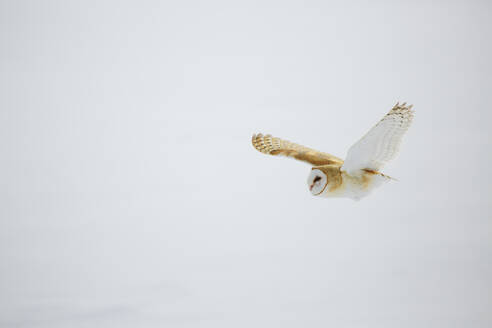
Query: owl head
x,y
317,181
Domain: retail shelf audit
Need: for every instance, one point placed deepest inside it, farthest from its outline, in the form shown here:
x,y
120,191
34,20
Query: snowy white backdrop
x,y
131,196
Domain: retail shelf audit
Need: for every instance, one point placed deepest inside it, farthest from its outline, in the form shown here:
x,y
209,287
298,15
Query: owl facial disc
x,y
316,182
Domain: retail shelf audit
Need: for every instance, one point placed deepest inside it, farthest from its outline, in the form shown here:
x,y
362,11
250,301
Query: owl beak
x,y
311,187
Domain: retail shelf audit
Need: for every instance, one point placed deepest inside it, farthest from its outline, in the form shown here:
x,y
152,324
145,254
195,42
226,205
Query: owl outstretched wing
x,y
276,146
381,143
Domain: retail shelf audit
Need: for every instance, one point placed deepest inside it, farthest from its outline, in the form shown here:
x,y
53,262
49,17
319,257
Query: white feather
x,y
356,188
381,143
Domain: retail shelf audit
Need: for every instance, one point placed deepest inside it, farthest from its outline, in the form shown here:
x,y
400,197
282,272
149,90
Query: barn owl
x,y
360,173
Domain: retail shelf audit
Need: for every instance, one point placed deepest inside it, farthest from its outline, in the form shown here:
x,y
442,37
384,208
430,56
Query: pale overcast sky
x,y
132,197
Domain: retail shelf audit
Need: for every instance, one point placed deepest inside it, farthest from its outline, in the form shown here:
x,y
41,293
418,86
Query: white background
x,y
132,197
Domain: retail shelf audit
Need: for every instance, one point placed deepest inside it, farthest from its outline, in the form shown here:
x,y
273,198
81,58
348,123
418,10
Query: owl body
x,y
341,184
360,173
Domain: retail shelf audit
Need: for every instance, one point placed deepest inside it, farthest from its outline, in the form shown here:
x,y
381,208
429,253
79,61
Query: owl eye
x,y
316,179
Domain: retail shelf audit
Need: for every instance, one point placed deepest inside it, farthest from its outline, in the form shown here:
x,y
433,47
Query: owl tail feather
x,y
379,173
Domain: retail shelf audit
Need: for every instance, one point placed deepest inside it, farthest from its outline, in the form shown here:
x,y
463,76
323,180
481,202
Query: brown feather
x,y
276,146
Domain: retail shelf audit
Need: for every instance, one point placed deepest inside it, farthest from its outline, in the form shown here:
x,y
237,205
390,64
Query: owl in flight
x,y
360,173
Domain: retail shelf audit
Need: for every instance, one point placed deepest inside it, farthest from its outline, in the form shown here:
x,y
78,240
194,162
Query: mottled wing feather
x,y
381,143
276,146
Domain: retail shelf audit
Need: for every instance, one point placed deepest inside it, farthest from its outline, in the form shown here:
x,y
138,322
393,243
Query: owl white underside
x,y
356,187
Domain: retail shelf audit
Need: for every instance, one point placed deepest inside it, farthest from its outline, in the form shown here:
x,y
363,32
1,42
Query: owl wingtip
x,y
403,106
